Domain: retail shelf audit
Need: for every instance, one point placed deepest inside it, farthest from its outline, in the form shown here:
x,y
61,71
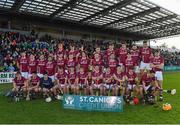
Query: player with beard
x,y
51,68
41,64
32,65
22,64
119,77
157,65
72,81
82,80
97,77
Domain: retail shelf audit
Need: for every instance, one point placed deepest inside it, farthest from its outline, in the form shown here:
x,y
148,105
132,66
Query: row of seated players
x,y
107,83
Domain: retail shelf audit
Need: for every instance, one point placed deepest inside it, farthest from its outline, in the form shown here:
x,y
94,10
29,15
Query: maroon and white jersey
x,y
50,68
129,64
82,77
84,62
135,56
23,64
61,77
41,65
32,66
107,76
97,74
61,63
145,54
157,61
97,63
112,64
99,54
122,54
34,80
74,53
19,82
119,76
71,63
132,78
146,79
72,77
59,52
109,52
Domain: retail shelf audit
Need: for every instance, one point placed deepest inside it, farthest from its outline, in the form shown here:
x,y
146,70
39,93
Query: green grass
x,y
38,111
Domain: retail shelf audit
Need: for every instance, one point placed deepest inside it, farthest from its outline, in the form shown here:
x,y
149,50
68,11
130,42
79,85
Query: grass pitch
x,y
38,111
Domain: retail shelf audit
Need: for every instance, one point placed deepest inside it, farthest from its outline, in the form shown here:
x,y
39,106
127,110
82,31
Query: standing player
x,y
158,65
51,68
97,78
41,65
83,61
119,77
32,65
82,80
22,64
129,63
98,52
122,54
97,61
112,63
71,62
110,51
145,53
33,85
135,54
60,51
61,62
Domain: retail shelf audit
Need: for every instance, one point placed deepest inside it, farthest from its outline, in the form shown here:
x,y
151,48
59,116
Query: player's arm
x,y
14,85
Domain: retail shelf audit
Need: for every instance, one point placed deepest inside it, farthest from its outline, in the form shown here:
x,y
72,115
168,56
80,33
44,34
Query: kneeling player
x,y
33,85
147,86
46,85
19,85
119,77
61,79
97,78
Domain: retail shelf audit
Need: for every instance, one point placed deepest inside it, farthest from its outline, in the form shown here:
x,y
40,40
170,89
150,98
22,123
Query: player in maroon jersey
x,y
61,80
32,65
135,54
145,53
51,68
61,61
97,61
73,51
132,79
89,84
41,64
33,85
60,51
71,62
72,81
107,82
110,51
129,62
97,77
82,80
19,84
98,52
157,65
22,64
83,61
119,77
122,54
112,63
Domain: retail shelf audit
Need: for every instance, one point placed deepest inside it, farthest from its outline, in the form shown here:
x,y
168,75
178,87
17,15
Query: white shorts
x,y
97,86
159,75
145,65
131,86
40,75
52,77
137,69
109,86
29,75
24,74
